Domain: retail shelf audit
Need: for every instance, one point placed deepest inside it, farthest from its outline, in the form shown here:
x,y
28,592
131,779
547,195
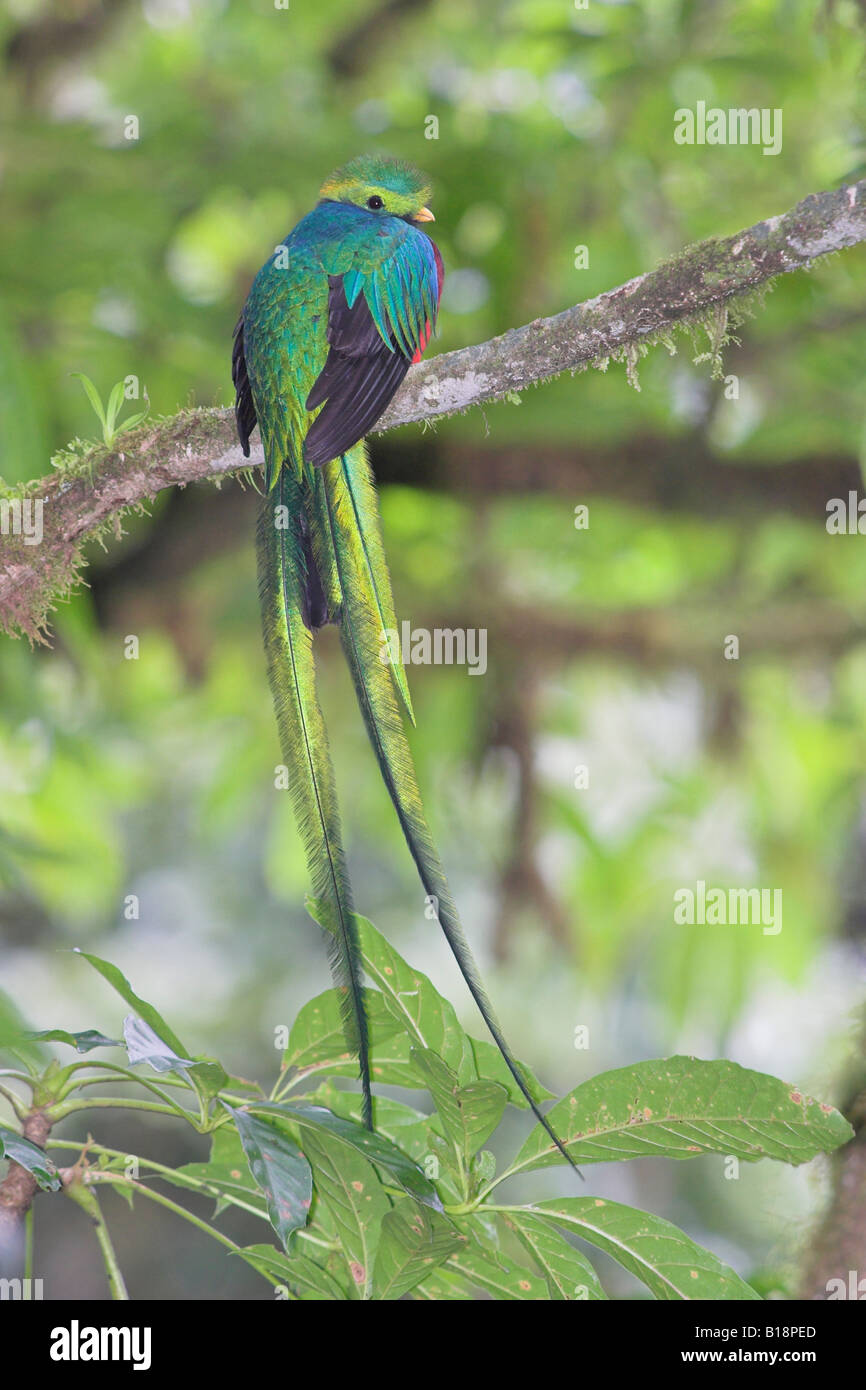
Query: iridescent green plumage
x,y
330,327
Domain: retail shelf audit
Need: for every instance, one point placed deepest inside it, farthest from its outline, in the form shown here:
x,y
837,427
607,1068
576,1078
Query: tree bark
x,y
17,1191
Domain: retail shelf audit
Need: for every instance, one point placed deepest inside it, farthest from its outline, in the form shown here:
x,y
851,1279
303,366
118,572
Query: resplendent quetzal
x,y
332,322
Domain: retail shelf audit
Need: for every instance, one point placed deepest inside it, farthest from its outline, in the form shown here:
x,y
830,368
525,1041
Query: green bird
x,y
330,327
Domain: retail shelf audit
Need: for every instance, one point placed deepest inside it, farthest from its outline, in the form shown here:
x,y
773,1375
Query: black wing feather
x,y
359,378
245,411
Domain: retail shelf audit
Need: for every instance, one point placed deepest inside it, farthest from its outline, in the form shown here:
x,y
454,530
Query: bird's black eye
x,y
375,202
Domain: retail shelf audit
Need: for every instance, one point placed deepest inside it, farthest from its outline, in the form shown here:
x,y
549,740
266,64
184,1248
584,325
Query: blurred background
x,y
611,754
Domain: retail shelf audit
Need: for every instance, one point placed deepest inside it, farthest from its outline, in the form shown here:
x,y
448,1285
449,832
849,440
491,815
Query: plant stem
x,y
30,1069
178,1211
203,1185
494,1182
79,1191
317,1240
59,1112
18,1105
122,1074
119,1074
465,1208
282,1086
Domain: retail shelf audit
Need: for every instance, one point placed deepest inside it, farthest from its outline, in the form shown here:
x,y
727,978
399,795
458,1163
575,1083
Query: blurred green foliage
x,y
153,777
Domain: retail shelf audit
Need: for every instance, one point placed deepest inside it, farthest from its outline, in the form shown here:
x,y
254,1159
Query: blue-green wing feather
x,y
381,311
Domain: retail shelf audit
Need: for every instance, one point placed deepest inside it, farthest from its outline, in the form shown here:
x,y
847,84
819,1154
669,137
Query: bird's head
x,y
388,187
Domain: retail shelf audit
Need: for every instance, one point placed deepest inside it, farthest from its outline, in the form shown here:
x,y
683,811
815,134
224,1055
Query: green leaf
x,y
317,1042
115,404
350,1189
143,1046
413,1241
569,1274
82,1042
208,1076
281,1171
445,1285
663,1257
406,1127
146,1011
127,1193
226,1172
373,1146
469,1114
227,1160
20,1150
444,1088
484,1166
424,1018
93,396
131,421
298,1271
412,1131
482,1105
490,1066
502,1277
411,999
679,1107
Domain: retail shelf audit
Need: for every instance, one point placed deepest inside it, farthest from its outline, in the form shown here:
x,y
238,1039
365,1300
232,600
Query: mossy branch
x,y
704,287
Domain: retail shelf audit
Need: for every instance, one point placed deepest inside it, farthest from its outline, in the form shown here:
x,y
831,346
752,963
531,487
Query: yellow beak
x,y
425,215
